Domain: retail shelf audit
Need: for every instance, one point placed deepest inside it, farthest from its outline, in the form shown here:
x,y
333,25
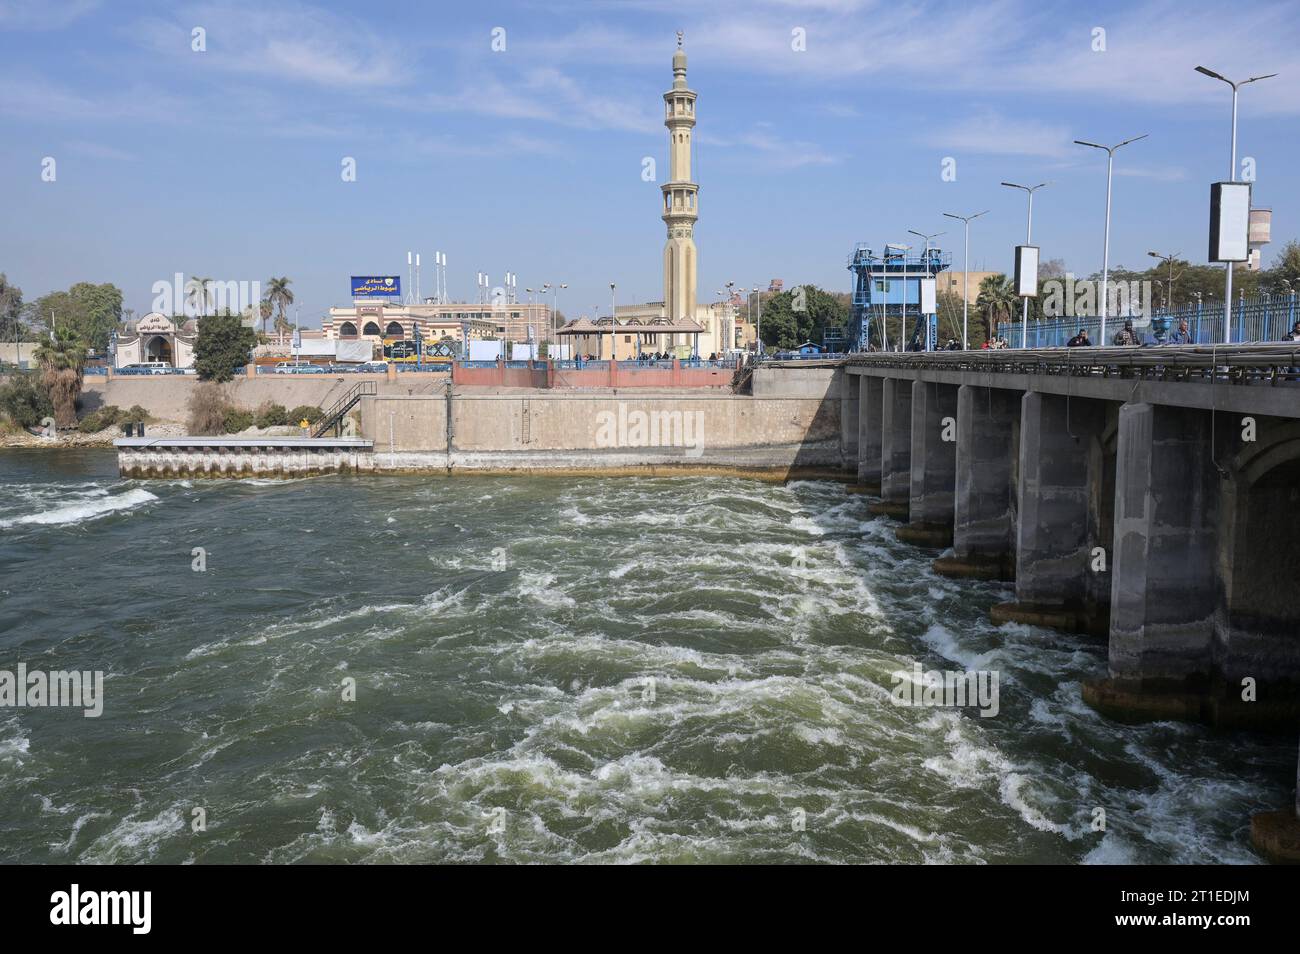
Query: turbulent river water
x,y
586,670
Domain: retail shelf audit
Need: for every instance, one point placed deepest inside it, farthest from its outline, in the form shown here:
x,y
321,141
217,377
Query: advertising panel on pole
x,y
1229,222
927,296
1027,271
376,286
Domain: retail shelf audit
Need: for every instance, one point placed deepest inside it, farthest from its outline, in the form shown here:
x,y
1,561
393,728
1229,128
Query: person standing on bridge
x,y
1295,332
1081,340
1182,336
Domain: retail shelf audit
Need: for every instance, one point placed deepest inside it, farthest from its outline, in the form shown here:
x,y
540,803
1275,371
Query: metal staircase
x,y
333,418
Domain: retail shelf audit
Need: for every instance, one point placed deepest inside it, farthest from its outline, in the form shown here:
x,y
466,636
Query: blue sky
x,y
227,163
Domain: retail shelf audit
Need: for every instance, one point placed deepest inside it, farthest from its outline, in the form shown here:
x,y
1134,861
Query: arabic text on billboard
x,y
376,286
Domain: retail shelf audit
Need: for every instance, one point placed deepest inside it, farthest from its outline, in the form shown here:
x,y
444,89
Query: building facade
x,y
155,339
378,320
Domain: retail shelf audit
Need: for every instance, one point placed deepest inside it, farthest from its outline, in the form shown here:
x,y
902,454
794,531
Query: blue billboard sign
x,y
376,286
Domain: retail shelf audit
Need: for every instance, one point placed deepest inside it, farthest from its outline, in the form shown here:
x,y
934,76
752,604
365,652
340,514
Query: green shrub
x,y
25,402
237,420
138,415
309,412
96,421
272,415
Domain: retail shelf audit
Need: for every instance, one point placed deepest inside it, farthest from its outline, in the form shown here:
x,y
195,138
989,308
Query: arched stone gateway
x,y
158,348
394,330
347,330
371,328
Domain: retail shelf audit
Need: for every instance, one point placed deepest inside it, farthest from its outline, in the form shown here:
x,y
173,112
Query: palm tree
x,y
265,309
997,302
61,360
197,289
278,294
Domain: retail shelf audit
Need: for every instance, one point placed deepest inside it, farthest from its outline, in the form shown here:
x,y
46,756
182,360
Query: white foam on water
x,y
82,510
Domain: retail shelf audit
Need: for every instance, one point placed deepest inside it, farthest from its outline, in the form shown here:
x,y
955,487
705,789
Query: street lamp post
x,y
1169,285
965,275
1105,249
1232,177
1029,238
555,310
613,355
926,261
758,327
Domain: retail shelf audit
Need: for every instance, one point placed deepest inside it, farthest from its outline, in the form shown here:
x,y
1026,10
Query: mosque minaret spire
x,y
681,196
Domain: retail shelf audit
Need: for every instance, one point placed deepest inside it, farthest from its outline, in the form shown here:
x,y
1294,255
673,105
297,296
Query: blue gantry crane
x,y
887,297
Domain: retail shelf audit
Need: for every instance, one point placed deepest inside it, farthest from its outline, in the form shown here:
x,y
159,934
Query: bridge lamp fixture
x,y
1232,177
1029,239
1105,249
965,278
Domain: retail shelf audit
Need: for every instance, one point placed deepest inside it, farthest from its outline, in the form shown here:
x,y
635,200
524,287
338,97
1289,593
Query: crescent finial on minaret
x,y
679,39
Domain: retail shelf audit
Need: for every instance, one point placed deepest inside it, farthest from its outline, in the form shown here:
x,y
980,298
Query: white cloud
x,y
990,133
290,41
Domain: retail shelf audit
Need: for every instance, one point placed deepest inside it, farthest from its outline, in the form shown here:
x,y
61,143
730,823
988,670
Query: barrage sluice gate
x,y
1155,506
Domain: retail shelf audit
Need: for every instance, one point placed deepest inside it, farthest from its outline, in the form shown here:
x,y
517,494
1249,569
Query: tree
x,y
802,314
12,327
61,360
223,344
1286,268
996,302
279,295
196,290
86,311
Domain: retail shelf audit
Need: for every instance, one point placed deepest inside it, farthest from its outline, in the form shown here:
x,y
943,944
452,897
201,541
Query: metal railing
x,y
334,416
1260,319
1263,363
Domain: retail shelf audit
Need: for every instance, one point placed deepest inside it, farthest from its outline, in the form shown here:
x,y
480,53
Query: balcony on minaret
x,y
681,200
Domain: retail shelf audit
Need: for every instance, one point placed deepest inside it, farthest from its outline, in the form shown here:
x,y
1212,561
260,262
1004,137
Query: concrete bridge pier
x,y
870,396
1163,586
1066,492
933,465
984,509
849,403
895,448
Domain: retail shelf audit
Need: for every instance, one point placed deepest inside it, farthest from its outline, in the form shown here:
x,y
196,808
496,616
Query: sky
x,y
820,125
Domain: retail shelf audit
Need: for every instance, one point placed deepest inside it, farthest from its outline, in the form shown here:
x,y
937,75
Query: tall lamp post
x,y
1169,285
758,328
965,275
612,324
1029,240
1232,177
1105,248
926,261
555,309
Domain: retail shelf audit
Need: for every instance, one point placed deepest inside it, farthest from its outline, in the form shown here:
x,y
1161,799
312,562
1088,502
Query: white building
x,y
155,338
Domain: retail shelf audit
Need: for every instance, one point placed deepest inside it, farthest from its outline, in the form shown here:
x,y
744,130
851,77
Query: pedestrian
x,y
1080,340
1182,336
1126,335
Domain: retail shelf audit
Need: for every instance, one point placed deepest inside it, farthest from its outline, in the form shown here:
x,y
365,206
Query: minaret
x,y
681,206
